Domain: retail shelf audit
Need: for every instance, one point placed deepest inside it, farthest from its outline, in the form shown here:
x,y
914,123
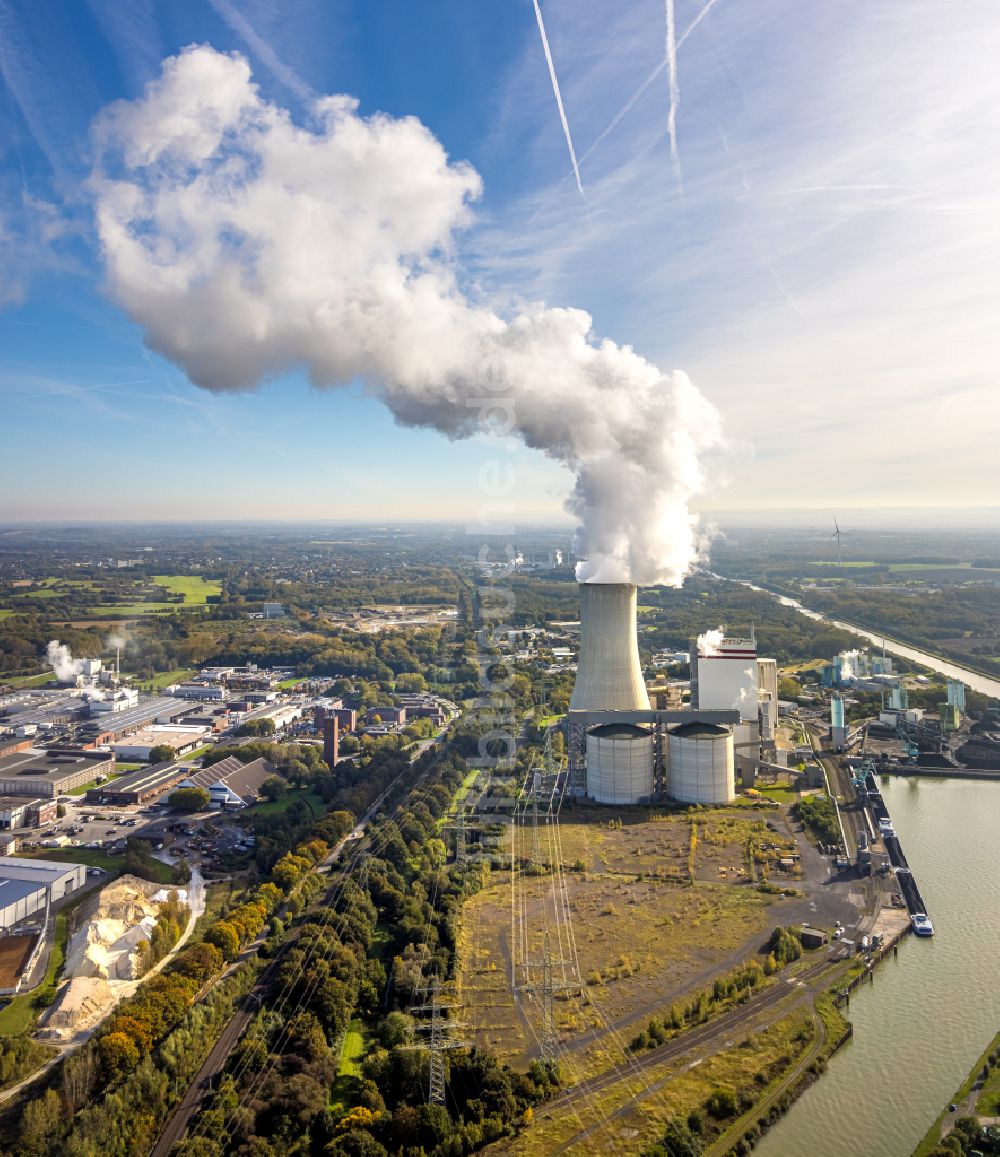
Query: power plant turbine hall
x,y
608,674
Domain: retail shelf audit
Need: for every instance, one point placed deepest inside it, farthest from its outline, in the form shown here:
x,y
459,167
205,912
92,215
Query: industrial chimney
x,y
608,675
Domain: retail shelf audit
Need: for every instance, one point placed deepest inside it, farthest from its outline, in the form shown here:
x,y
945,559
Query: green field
x,y
31,680
113,865
779,794
133,610
905,566
352,1050
280,806
195,589
84,788
6,614
164,679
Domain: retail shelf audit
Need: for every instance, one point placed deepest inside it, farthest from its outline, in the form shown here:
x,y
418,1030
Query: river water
x,y
934,1008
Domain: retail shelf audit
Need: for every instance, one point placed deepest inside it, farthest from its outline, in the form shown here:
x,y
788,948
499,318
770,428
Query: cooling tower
x,y
608,675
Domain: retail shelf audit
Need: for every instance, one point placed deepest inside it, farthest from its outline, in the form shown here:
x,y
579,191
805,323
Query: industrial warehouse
x,y
624,751
27,886
52,772
138,787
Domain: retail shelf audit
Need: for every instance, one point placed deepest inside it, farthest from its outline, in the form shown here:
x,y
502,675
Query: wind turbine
x,y
837,534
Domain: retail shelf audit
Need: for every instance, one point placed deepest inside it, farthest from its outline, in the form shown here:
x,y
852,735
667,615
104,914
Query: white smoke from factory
x,y
247,246
747,696
60,658
710,642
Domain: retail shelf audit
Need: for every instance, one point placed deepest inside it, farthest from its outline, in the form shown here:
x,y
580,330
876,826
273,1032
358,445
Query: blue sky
x,y
819,253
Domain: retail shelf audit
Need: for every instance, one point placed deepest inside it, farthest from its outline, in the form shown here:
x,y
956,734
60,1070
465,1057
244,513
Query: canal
x,y
931,1010
981,683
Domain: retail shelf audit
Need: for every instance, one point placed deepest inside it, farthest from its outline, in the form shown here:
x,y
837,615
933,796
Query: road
x,y
179,1121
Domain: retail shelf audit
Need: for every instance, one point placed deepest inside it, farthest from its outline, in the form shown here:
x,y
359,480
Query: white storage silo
x,y
701,764
619,763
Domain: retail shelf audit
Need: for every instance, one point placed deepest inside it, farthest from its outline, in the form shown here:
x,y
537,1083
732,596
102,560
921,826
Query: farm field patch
x,y
194,588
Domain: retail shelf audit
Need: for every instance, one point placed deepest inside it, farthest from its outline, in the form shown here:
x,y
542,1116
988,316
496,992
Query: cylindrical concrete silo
x,y
608,674
701,764
619,763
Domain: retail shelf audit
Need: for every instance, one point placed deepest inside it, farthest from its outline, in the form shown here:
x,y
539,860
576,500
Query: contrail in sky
x,y
697,20
673,86
262,49
639,92
558,95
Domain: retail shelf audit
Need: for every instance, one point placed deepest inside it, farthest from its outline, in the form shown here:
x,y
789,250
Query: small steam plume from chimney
x,y
247,246
60,658
710,642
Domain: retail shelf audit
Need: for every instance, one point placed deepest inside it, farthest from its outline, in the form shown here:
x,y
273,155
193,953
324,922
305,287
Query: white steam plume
x,y
247,246
558,95
710,642
60,658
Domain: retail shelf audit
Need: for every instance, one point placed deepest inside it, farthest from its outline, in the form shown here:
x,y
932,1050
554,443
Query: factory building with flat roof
x,y
52,772
60,879
22,811
139,786
139,746
19,899
104,729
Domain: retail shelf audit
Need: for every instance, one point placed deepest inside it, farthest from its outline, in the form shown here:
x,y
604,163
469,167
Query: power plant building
x,y
725,676
838,726
609,674
619,745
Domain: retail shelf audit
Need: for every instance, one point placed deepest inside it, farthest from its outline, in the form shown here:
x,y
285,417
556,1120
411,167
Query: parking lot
x,y
205,839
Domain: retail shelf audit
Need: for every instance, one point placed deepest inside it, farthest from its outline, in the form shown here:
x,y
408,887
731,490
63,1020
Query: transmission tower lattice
x,y
440,1040
549,1042
536,847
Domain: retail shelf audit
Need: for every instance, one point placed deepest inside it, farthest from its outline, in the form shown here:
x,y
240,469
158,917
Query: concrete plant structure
x,y
608,674
620,763
702,764
618,744
726,676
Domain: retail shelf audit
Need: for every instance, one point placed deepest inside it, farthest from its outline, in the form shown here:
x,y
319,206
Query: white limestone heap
x,y
608,675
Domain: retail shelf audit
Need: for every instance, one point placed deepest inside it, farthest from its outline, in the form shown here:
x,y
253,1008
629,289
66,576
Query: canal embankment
x,y
925,1015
